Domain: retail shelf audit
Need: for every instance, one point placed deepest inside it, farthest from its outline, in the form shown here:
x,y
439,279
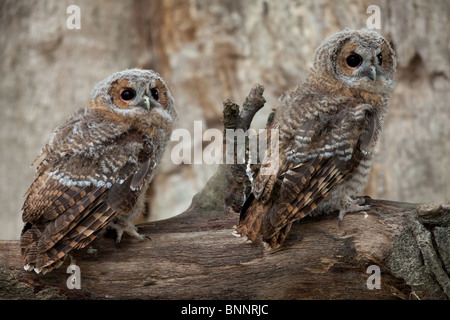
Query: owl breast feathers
x,y
327,128
95,169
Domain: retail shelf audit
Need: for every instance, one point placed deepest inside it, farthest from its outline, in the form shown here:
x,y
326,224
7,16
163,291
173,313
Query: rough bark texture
x,y
195,256
207,51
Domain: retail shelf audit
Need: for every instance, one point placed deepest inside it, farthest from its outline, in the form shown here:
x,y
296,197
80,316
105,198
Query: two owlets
x,y
94,171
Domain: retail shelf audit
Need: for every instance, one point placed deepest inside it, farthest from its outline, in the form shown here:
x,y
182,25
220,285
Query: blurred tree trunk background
x,y
208,51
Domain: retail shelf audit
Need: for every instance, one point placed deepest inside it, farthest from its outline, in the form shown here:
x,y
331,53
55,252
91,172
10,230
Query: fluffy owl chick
x,y
328,127
95,169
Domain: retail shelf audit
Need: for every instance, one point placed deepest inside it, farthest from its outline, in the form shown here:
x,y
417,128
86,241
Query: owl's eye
x,y
155,94
127,94
380,58
354,60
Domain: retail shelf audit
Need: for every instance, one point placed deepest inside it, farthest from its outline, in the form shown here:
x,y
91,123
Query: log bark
x,y
195,256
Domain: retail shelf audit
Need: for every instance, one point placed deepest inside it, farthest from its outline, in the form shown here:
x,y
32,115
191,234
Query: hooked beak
x,y
371,73
145,103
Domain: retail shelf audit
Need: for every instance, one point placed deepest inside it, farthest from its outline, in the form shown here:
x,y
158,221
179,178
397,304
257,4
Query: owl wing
x,y
317,157
76,195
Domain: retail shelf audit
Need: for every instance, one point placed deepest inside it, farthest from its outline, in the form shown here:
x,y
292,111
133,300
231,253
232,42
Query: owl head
x,y
360,59
136,92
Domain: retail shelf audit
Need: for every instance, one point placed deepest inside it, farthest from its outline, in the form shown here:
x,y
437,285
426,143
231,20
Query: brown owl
x,y
95,169
328,127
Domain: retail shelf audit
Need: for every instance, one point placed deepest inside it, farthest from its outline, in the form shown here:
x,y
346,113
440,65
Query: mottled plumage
x,y
328,127
95,169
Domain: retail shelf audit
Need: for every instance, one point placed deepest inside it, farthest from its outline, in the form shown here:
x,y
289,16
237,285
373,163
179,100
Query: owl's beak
x,y
147,102
371,73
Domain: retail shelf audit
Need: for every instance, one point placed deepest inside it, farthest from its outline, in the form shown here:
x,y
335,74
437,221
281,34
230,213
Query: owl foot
x,y
355,205
129,228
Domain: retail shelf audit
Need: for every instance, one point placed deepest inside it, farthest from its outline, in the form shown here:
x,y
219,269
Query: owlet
x,y
327,130
94,171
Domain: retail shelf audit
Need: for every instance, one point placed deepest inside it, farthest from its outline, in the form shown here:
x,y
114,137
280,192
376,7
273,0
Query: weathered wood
x,y
195,256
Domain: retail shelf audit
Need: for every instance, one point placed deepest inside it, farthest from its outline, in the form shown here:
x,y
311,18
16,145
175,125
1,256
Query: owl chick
x,y
327,130
95,169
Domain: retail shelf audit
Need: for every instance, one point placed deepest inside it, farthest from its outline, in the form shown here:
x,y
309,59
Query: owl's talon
x,y
128,228
119,236
141,236
355,206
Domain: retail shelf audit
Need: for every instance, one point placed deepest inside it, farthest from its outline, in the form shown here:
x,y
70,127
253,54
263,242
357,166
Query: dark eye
x,y
127,94
354,60
380,58
155,94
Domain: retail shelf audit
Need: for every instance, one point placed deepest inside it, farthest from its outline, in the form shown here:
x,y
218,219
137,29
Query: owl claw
x,y
130,229
356,205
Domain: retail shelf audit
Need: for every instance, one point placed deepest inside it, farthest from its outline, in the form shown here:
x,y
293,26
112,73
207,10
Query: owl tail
x,y
254,223
33,259
273,237
250,219
42,253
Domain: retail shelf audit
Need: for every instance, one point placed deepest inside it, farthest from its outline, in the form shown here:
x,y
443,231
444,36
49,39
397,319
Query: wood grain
x,y
195,256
